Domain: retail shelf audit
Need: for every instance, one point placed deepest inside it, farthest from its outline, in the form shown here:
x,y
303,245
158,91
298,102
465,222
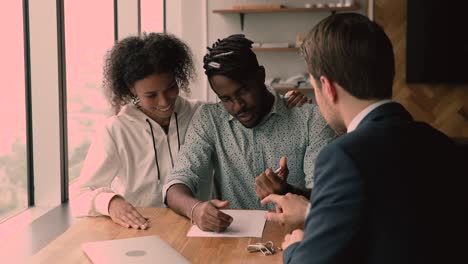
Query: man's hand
x,y
124,214
296,236
296,99
208,217
270,182
290,209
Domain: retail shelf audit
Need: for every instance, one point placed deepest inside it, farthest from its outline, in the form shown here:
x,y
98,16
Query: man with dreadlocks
x,y
249,131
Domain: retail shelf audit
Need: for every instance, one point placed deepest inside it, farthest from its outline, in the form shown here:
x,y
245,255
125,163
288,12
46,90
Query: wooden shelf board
x,y
276,49
354,7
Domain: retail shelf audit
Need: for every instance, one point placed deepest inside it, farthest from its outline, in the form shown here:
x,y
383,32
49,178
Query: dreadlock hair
x,y
231,57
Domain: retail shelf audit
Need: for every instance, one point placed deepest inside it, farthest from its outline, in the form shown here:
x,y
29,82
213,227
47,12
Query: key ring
x,y
266,248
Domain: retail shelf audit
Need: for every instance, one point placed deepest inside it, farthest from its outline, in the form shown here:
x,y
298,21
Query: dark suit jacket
x,y
390,191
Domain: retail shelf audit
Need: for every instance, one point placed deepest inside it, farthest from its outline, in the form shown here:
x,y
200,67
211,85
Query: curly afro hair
x,y
135,58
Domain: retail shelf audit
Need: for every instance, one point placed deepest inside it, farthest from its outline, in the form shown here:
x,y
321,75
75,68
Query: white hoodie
x,y
122,150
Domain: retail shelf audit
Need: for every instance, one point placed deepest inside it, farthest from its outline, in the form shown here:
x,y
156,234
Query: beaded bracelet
x,y
191,211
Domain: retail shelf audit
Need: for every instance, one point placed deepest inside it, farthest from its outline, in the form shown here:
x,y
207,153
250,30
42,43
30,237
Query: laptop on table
x,y
144,250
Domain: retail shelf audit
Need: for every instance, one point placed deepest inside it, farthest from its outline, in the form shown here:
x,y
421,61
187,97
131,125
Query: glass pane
x,y
13,158
152,15
89,33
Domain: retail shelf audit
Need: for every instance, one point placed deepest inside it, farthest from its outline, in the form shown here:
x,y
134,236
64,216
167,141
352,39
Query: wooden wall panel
x,y
443,106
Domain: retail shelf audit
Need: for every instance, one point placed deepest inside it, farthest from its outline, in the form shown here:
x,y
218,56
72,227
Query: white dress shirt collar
x,y
359,117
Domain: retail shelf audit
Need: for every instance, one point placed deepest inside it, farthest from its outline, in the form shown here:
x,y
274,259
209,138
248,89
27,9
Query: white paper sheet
x,y
246,223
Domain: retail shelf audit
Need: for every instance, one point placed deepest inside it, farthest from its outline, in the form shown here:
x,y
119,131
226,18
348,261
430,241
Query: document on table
x,y
246,223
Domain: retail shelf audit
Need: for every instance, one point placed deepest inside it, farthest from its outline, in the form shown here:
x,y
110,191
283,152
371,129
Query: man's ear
x,y
329,89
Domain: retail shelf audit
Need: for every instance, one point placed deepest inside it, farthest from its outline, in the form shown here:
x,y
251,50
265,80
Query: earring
x,y
135,99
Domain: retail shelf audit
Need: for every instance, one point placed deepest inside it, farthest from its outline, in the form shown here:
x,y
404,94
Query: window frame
x,y
28,100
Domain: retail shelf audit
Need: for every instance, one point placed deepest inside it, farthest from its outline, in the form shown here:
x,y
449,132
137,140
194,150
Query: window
x,y
13,152
89,33
152,15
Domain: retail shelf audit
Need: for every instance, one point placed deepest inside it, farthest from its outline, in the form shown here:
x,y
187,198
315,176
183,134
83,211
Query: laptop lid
x,y
144,250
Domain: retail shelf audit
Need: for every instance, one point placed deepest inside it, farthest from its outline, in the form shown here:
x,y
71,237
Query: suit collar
x,y
386,111
361,115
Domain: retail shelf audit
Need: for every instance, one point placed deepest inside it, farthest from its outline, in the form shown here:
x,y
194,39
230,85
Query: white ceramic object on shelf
x,y
349,3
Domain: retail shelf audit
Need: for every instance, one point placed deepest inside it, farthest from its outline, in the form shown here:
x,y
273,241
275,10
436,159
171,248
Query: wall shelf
x,y
354,7
275,49
243,11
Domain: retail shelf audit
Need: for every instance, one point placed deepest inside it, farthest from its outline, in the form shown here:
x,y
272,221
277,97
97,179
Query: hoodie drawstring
x,y
154,143
177,126
154,148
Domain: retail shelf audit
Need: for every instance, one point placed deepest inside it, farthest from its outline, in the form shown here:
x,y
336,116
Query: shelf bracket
x,y
242,15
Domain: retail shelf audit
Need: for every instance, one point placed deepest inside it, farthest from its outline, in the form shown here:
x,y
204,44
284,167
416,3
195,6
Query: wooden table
x,y
172,228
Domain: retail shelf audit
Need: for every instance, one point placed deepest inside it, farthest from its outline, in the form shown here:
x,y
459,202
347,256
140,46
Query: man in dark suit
x,y
389,190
